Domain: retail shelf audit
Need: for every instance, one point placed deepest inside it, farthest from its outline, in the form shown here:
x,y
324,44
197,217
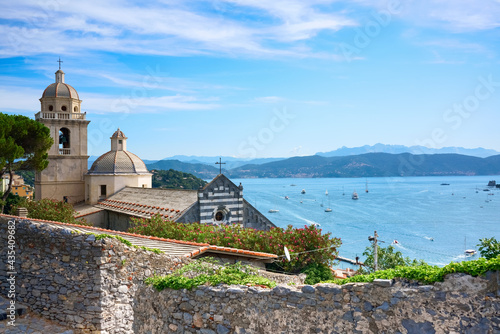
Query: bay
x,y
430,221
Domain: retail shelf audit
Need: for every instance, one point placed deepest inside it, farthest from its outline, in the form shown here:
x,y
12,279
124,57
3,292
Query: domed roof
x,y
60,89
114,162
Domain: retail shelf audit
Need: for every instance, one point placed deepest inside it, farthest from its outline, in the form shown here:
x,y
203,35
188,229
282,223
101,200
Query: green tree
x,y
387,259
23,146
489,248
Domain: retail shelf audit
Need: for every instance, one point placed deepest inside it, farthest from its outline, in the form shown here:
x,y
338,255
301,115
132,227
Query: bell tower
x,y
63,179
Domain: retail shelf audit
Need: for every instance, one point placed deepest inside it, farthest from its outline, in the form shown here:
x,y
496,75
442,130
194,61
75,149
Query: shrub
x,y
426,273
316,273
306,245
48,209
205,271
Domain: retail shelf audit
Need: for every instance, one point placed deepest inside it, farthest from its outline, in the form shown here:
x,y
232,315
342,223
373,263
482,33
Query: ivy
x,y
426,273
206,272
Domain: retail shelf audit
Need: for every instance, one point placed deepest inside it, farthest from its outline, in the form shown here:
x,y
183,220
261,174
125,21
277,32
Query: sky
x,y
260,78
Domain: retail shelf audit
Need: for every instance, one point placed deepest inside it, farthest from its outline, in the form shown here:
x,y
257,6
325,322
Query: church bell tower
x,y
63,179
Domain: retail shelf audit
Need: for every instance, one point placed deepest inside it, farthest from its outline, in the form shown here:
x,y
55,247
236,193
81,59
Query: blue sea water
x,y
430,221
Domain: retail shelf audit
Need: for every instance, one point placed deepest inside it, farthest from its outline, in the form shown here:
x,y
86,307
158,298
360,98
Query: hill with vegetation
x,y
373,165
172,179
199,170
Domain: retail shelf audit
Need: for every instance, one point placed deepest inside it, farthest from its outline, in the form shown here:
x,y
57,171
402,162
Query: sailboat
x,y
468,252
355,195
328,209
326,192
366,187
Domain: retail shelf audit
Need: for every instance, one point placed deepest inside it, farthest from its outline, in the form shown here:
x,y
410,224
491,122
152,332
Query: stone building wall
x,y
96,286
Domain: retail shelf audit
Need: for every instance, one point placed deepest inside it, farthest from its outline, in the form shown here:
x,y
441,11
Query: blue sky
x,y
251,78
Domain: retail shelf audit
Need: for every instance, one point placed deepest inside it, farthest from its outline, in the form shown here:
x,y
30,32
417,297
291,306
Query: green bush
x,y
48,209
427,273
306,245
205,271
316,273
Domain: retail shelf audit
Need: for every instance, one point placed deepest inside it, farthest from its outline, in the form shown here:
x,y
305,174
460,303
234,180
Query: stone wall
x,y
462,304
96,286
76,280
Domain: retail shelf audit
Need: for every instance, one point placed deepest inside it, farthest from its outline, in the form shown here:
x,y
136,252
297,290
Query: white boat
x,y
273,210
470,252
355,195
326,192
286,197
303,191
328,210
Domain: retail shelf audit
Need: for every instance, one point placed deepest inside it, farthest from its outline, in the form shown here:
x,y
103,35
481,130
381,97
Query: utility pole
x,y
375,249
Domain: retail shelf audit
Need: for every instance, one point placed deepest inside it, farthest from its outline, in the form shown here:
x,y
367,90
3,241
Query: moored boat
x,y
355,195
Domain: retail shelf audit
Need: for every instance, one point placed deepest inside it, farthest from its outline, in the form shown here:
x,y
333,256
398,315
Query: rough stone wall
x,y
76,280
57,273
462,304
96,286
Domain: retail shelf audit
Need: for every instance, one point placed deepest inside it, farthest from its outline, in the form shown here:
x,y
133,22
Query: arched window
x,y
64,141
75,109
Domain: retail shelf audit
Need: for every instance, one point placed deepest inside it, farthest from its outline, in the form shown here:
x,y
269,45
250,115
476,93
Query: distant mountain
x,y
397,149
373,164
199,170
230,162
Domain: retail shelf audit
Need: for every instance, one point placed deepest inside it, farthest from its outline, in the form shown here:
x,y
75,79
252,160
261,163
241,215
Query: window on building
x,y
63,108
219,216
51,107
103,190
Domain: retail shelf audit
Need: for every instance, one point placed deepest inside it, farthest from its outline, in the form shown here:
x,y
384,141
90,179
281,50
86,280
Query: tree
x,y
23,146
387,259
489,248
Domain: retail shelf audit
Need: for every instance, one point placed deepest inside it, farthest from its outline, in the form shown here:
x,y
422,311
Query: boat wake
x,y
310,222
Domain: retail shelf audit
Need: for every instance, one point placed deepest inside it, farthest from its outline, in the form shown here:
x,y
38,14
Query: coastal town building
x,y
118,186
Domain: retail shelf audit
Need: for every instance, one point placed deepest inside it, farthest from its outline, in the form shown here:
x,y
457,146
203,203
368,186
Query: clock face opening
x,y
219,216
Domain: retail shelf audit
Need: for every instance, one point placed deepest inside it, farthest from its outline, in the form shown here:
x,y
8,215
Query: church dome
x,y
122,162
59,88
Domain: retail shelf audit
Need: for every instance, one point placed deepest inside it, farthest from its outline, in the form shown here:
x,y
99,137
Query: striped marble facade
x,y
221,202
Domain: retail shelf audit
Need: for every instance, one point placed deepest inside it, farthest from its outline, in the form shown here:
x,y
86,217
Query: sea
x,y
431,218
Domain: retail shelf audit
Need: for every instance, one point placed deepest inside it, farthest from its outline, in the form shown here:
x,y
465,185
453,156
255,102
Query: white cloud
x,y
164,28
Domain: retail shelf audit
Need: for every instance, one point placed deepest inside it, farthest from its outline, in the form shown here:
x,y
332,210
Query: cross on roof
x,y
220,163
60,61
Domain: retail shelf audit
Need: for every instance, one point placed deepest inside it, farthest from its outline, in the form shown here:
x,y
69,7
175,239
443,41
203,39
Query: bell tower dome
x,y
61,112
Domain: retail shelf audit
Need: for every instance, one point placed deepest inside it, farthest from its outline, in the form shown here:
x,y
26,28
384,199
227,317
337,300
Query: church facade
x,y
118,185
